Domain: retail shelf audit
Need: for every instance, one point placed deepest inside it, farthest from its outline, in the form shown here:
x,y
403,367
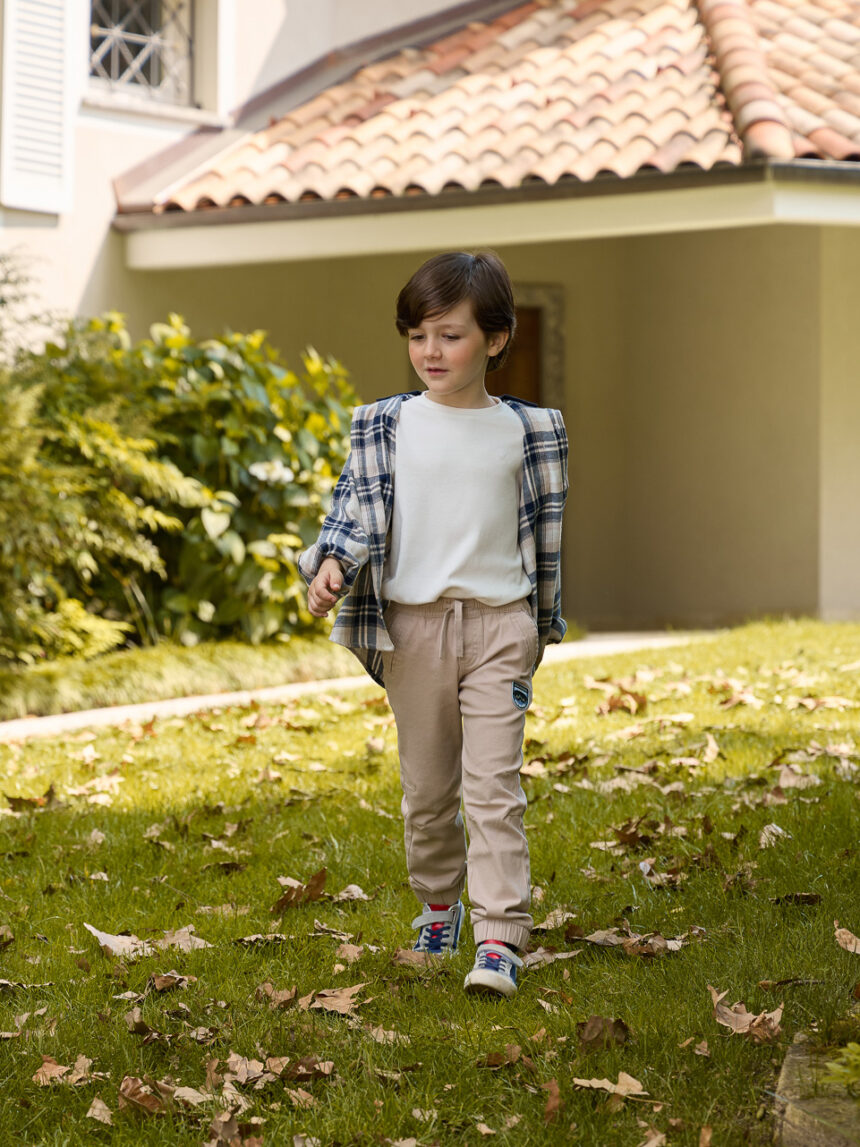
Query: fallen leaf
x,y
602,1032
262,940
484,1129
705,1135
424,1115
626,1085
761,1028
410,958
846,939
184,939
554,1103
338,1000
166,981
543,956
554,920
299,1097
350,952
654,1138
382,1036
143,1096
99,1110
298,893
278,998
351,892
770,834
49,1072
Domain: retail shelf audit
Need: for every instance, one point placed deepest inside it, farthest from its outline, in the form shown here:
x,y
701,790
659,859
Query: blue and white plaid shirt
x,y
356,529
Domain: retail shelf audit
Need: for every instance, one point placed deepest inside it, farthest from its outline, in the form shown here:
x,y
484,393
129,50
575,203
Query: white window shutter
x,y
40,93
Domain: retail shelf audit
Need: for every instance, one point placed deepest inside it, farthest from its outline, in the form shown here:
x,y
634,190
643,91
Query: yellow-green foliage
x,y
160,488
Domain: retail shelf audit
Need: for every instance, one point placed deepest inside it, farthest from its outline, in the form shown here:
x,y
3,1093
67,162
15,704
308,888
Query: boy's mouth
x,y
436,370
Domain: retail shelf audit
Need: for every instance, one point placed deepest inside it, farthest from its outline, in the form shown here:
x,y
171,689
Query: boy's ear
x,y
497,342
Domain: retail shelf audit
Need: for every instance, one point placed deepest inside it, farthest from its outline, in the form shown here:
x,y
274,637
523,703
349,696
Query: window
x,y
143,48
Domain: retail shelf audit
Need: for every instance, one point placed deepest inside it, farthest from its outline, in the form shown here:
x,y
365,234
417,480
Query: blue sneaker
x,y
439,931
495,970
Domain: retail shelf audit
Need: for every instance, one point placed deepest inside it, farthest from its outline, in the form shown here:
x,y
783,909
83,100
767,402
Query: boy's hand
x,y
323,590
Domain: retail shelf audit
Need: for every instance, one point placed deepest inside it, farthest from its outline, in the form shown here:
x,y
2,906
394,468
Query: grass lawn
x,y
192,821
168,670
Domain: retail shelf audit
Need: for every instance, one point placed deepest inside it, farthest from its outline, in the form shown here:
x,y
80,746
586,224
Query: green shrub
x,y
845,1069
271,445
83,499
71,513
162,488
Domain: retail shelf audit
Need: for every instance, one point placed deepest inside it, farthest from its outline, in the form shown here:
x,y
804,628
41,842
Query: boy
x,y
444,535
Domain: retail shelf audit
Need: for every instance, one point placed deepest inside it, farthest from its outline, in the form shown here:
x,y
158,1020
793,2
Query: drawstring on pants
x,y
456,608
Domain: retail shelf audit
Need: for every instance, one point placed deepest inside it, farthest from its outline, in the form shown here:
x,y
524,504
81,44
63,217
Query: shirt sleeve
x,y
341,535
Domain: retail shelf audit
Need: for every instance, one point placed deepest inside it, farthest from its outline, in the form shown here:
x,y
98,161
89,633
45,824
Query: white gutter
x,y
750,204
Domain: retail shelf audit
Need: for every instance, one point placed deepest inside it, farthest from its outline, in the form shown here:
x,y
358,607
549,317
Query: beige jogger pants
x,y
459,682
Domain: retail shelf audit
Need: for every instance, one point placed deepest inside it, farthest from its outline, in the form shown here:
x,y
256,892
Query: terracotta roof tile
x,y
554,90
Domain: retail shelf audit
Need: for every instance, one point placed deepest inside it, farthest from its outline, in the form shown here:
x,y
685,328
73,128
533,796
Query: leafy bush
x,y
271,445
72,510
845,1069
168,487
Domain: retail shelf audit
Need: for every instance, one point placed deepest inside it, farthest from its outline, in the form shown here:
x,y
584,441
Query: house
x,y
674,185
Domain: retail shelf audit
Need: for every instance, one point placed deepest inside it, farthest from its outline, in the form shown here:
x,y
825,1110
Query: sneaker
x,y
439,931
495,970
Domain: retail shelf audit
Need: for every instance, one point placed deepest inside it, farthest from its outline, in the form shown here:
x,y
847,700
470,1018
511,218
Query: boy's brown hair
x,y
446,280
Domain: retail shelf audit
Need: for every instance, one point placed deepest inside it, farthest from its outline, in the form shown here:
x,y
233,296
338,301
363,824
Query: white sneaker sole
x,y
484,980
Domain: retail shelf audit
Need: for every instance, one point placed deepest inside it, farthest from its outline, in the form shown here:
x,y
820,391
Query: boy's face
x,y
450,353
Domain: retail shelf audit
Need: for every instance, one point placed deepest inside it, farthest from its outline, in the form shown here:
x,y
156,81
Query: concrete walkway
x,y
24,728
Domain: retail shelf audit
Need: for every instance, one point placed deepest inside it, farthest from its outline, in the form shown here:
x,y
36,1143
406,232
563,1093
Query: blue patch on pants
x,y
522,694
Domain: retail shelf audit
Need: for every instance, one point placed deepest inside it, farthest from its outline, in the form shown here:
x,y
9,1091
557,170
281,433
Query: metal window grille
x,y
143,47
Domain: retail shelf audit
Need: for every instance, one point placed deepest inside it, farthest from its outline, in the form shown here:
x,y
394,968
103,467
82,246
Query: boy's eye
x,y
415,338
452,338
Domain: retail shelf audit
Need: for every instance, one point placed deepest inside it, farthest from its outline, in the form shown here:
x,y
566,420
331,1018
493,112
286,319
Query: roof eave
x,y
758,193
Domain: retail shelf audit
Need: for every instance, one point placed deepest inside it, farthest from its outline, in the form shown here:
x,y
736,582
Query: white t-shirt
x,y
455,524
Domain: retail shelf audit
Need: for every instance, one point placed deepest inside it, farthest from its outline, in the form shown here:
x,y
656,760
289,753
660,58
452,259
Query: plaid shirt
x,y
356,529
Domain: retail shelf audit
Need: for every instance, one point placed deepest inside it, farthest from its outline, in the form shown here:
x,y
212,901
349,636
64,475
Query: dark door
x,y
521,374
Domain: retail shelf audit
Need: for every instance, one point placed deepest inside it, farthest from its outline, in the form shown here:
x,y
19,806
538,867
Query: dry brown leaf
x,y
792,778
262,940
654,1138
298,893
705,1135
771,834
554,1103
626,1085
49,1072
129,947
601,1032
350,952
761,1028
166,981
99,1110
351,892
278,998
555,919
338,1000
543,956
144,1096
382,1036
185,939
846,939
410,958
484,1129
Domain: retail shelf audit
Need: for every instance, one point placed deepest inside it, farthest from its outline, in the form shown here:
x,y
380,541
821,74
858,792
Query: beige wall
x,y
692,402
839,553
